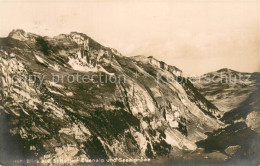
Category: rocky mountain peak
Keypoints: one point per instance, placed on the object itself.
(131, 114)
(20, 34)
(226, 70)
(159, 64)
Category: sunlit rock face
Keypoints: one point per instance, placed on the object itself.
(143, 114)
(159, 64)
(253, 120)
(231, 150)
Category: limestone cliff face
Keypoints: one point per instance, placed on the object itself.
(160, 64)
(140, 115)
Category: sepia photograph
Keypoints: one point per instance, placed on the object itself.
(130, 82)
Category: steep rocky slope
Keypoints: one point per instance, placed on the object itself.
(240, 139)
(237, 97)
(145, 110)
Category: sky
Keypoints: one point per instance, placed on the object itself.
(197, 36)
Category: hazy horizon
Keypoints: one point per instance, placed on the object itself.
(196, 36)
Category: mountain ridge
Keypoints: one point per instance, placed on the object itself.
(151, 113)
(226, 88)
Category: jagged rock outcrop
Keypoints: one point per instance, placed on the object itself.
(160, 64)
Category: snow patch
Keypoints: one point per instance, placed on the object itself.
(56, 67)
(54, 84)
(39, 59)
(76, 65)
(69, 94)
(54, 92)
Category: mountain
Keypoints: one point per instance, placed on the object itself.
(226, 88)
(236, 95)
(68, 98)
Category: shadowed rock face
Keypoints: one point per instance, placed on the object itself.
(240, 138)
(143, 114)
(237, 97)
